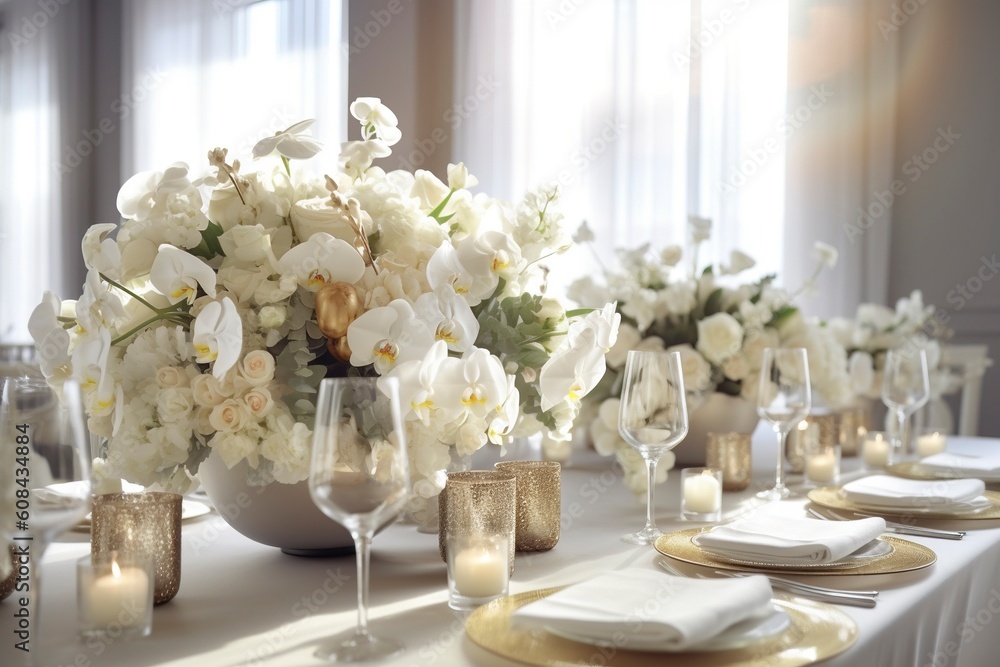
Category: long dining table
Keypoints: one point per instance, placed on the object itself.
(242, 603)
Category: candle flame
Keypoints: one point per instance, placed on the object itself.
(115, 570)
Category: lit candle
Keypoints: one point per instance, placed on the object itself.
(480, 573)
(702, 493)
(120, 597)
(821, 467)
(876, 450)
(931, 443)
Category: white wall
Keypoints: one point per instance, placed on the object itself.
(949, 217)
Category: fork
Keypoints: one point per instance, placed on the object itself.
(892, 526)
(836, 596)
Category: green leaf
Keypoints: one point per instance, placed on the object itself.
(209, 246)
(713, 304)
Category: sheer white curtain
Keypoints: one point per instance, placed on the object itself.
(37, 82)
(644, 111)
(772, 118)
(227, 73)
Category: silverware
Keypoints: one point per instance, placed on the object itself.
(832, 595)
(891, 526)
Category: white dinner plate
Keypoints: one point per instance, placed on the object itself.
(874, 550)
(741, 635)
(190, 509)
(974, 506)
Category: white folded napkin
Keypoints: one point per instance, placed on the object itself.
(763, 538)
(894, 492)
(963, 463)
(648, 607)
(70, 493)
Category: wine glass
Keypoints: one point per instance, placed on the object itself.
(905, 388)
(783, 398)
(43, 441)
(652, 418)
(359, 477)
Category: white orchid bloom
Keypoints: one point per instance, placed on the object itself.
(144, 192)
(357, 156)
(377, 120)
(322, 259)
(738, 263)
(176, 274)
(459, 177)
(507, 416)
(445, 268)
(573, 372)
(51, 339)
(475, 385)
(218, 336)
(98, 307)
(290, 143)
(100, 252)
(429, 191)
(493, 254)
(97, 385)
(450, 317)
(603, 323)
(388, 336)
(701, 228)
(416, 383)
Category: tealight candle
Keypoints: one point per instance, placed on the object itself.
(115, 598)
(479, 572)
(822, 468)
(931, 443)
(876, 450)
(702, 493)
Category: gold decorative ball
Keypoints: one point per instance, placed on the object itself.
(339, 349)
(337, 305)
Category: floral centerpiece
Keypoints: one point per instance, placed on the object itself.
(720, 327)
(209, 318)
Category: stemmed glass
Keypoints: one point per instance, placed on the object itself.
(359, 477)
(905, 388)
(43, 440)
(652, 418)
(783, 398)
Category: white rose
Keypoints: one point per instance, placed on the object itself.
(272, 317)
(640, 306)
(677, 299)
(697, 372)
(671, 255)
(551, 309)
(170, 376)
(736, 367)
(606, 440)
(203, 422)
(174, 404)
(608, 413)
(825, 253)
(720, 336)
(234, 447)
(628, 338)
(310, 216)
(228, 416)
(259, 402)
(207, 390)
(650, 344)
(258, 367)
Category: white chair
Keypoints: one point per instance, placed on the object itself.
(969, 363)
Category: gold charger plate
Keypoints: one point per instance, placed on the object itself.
(818, 631)
(914, 470)
(830, 496)
(905, 556)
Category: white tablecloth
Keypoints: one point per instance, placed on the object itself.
(241, 603)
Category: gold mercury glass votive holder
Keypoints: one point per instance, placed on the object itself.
(730, 453)
(478, 502)
(852, 425)
(539, 494)
(141, 525)
(821, 428)
(7, 585)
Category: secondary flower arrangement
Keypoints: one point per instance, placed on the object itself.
(876, 329)
(719, 326)
(208, 321)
